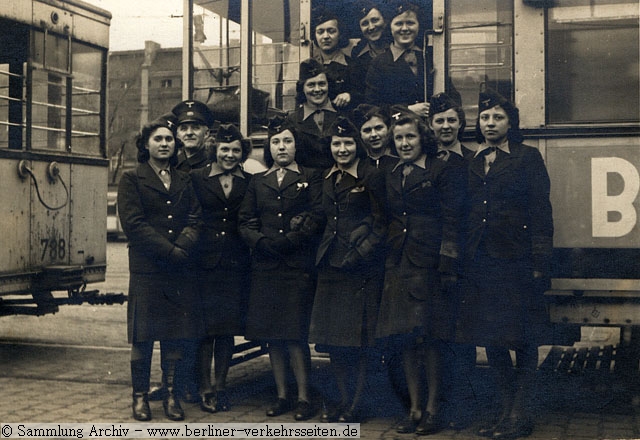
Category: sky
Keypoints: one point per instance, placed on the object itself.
(135, 21)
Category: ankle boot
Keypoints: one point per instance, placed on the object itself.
(171, 404)
(140, 382)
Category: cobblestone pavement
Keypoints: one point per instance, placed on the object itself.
(45, 383)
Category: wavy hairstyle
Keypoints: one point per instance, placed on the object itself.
(427, 139)
(276, 126)
(322, 15)
(142, 140)
(514, 134)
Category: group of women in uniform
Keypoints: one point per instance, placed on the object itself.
(372, 225)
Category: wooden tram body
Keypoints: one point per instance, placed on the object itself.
(571, 67)
(52, 153)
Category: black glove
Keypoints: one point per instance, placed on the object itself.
(283, 245)
(296, 222)
(448, 280)
(178, 255)
(265, 246)
(358, 235)
(350, 260)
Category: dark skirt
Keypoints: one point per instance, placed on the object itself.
(345, 309)
(413, 303)
(162, 306)
(225, 296)
(280, 304)
(500, 306)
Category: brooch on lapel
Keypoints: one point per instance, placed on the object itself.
(427, 183)
(301, 186)
(358, 189)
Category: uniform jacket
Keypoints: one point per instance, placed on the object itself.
(267, 211)
(510, 210)
(194, 162)
(353, 203)
(313, 150)
(220, 244)
(156, 219)
(392, 82)
(427, 215)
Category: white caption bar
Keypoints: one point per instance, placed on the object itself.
(179, 430)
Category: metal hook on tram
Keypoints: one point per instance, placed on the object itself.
(53, 173)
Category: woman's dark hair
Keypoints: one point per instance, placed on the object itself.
(344, 127)
(365, 112)
(461, 116)
(362, 9)
(402, 6)
(212, 147)
(322, 15)
(427, 139)
(514, 134)
(268, 158)
(301, 98)
(142, 140)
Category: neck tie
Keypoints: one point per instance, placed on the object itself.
(280, 175)
(406, 170)
(412, 61)
(166, 178)
(339, 176)
(489, 155)
(443, 154)
(318, 117)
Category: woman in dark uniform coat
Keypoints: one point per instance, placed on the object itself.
(344, 319)
(161, 217)
(224, 269)
(313, 116)
(397, 76)
(425, 199)
(279, 219)
(509, 244)
(375, 35)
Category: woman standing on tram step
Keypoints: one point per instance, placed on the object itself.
(425, 204)
(343, 321)
(224, 270)
(331, 41)
(374, 123)
(397, 76)
(161, 216)
(375, 35)
(313, 116)
(280, 218)
(509, 246)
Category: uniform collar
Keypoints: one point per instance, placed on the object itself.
(338, 56)
(455, 148)
(293, 166)
(504, 146)
(397, 52)
(352, 170)
(216, 171)
(308, 109)
(420, 162)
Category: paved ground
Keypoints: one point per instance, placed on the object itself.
(44, 383)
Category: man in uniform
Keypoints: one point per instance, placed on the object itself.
(194, 121)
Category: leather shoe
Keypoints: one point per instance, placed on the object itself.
(280, 407)
(304, 411)
(223, 401)
(348, 416)
(331, 414)
(407, 425)
(512, 428)
(430, 424)
(157, 393)
(488, 429)
(209, 402)
(172, 408)
(140, 407)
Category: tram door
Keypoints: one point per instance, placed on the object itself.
(248, 49)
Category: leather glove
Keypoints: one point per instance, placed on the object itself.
(296, 222)
(358, 235)
(283, 245)
(265, 246)
(178, 255)
(448, 280)
(253, 224)
(350, 260)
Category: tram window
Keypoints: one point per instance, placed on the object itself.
(13, 57)
(86, 99)
(51, 50)
(48, 110)
(480, 35)
(593, 62)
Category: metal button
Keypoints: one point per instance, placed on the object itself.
(168, 202)
(169, 216)
(170, 231)
(223, 233)
(279, 214)
(281, 231)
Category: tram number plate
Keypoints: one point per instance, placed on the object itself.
(54, 249)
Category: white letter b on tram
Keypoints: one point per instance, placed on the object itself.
(624, 215)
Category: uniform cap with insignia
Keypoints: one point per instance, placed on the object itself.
(342, 127)
(310, 68)
(278, 124)
(228, 133)
(168, 120)
(193, 111)
(321, 15)
(441, 103)
(489, 98)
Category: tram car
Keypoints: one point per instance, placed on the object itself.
(53, 62)
(572, 69)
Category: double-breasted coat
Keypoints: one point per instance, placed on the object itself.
(187, 164)
(224, 259)
(345, 309)
(426, 218)
(312, 149)
(162, 302)
(510, 235)
(282, 286)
